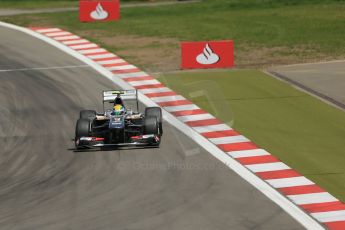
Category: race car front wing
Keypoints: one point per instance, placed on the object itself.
(94, 142)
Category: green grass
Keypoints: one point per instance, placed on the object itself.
(41, 4)
(302, 131)
(316, 26)
(36, 4)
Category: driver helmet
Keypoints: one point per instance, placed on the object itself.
(119, 109)
(118, 100)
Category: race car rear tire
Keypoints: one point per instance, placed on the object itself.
(87, 114)
(151, 125)
(155, 112)
(82, 128)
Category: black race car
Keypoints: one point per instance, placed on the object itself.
(119, 125)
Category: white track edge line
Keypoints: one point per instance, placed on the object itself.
(292, 209)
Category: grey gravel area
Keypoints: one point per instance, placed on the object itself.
(325, 80)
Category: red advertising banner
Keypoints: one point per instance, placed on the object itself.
(103, 10)
(212, 54)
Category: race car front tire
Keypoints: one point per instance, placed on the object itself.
(155, 112)
(87, 114)
(151, 125)
(82, 128)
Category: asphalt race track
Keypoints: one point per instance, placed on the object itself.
(44, 184)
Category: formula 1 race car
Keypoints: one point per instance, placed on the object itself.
(119, 125)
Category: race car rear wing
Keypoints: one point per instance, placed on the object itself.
(110, 96)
